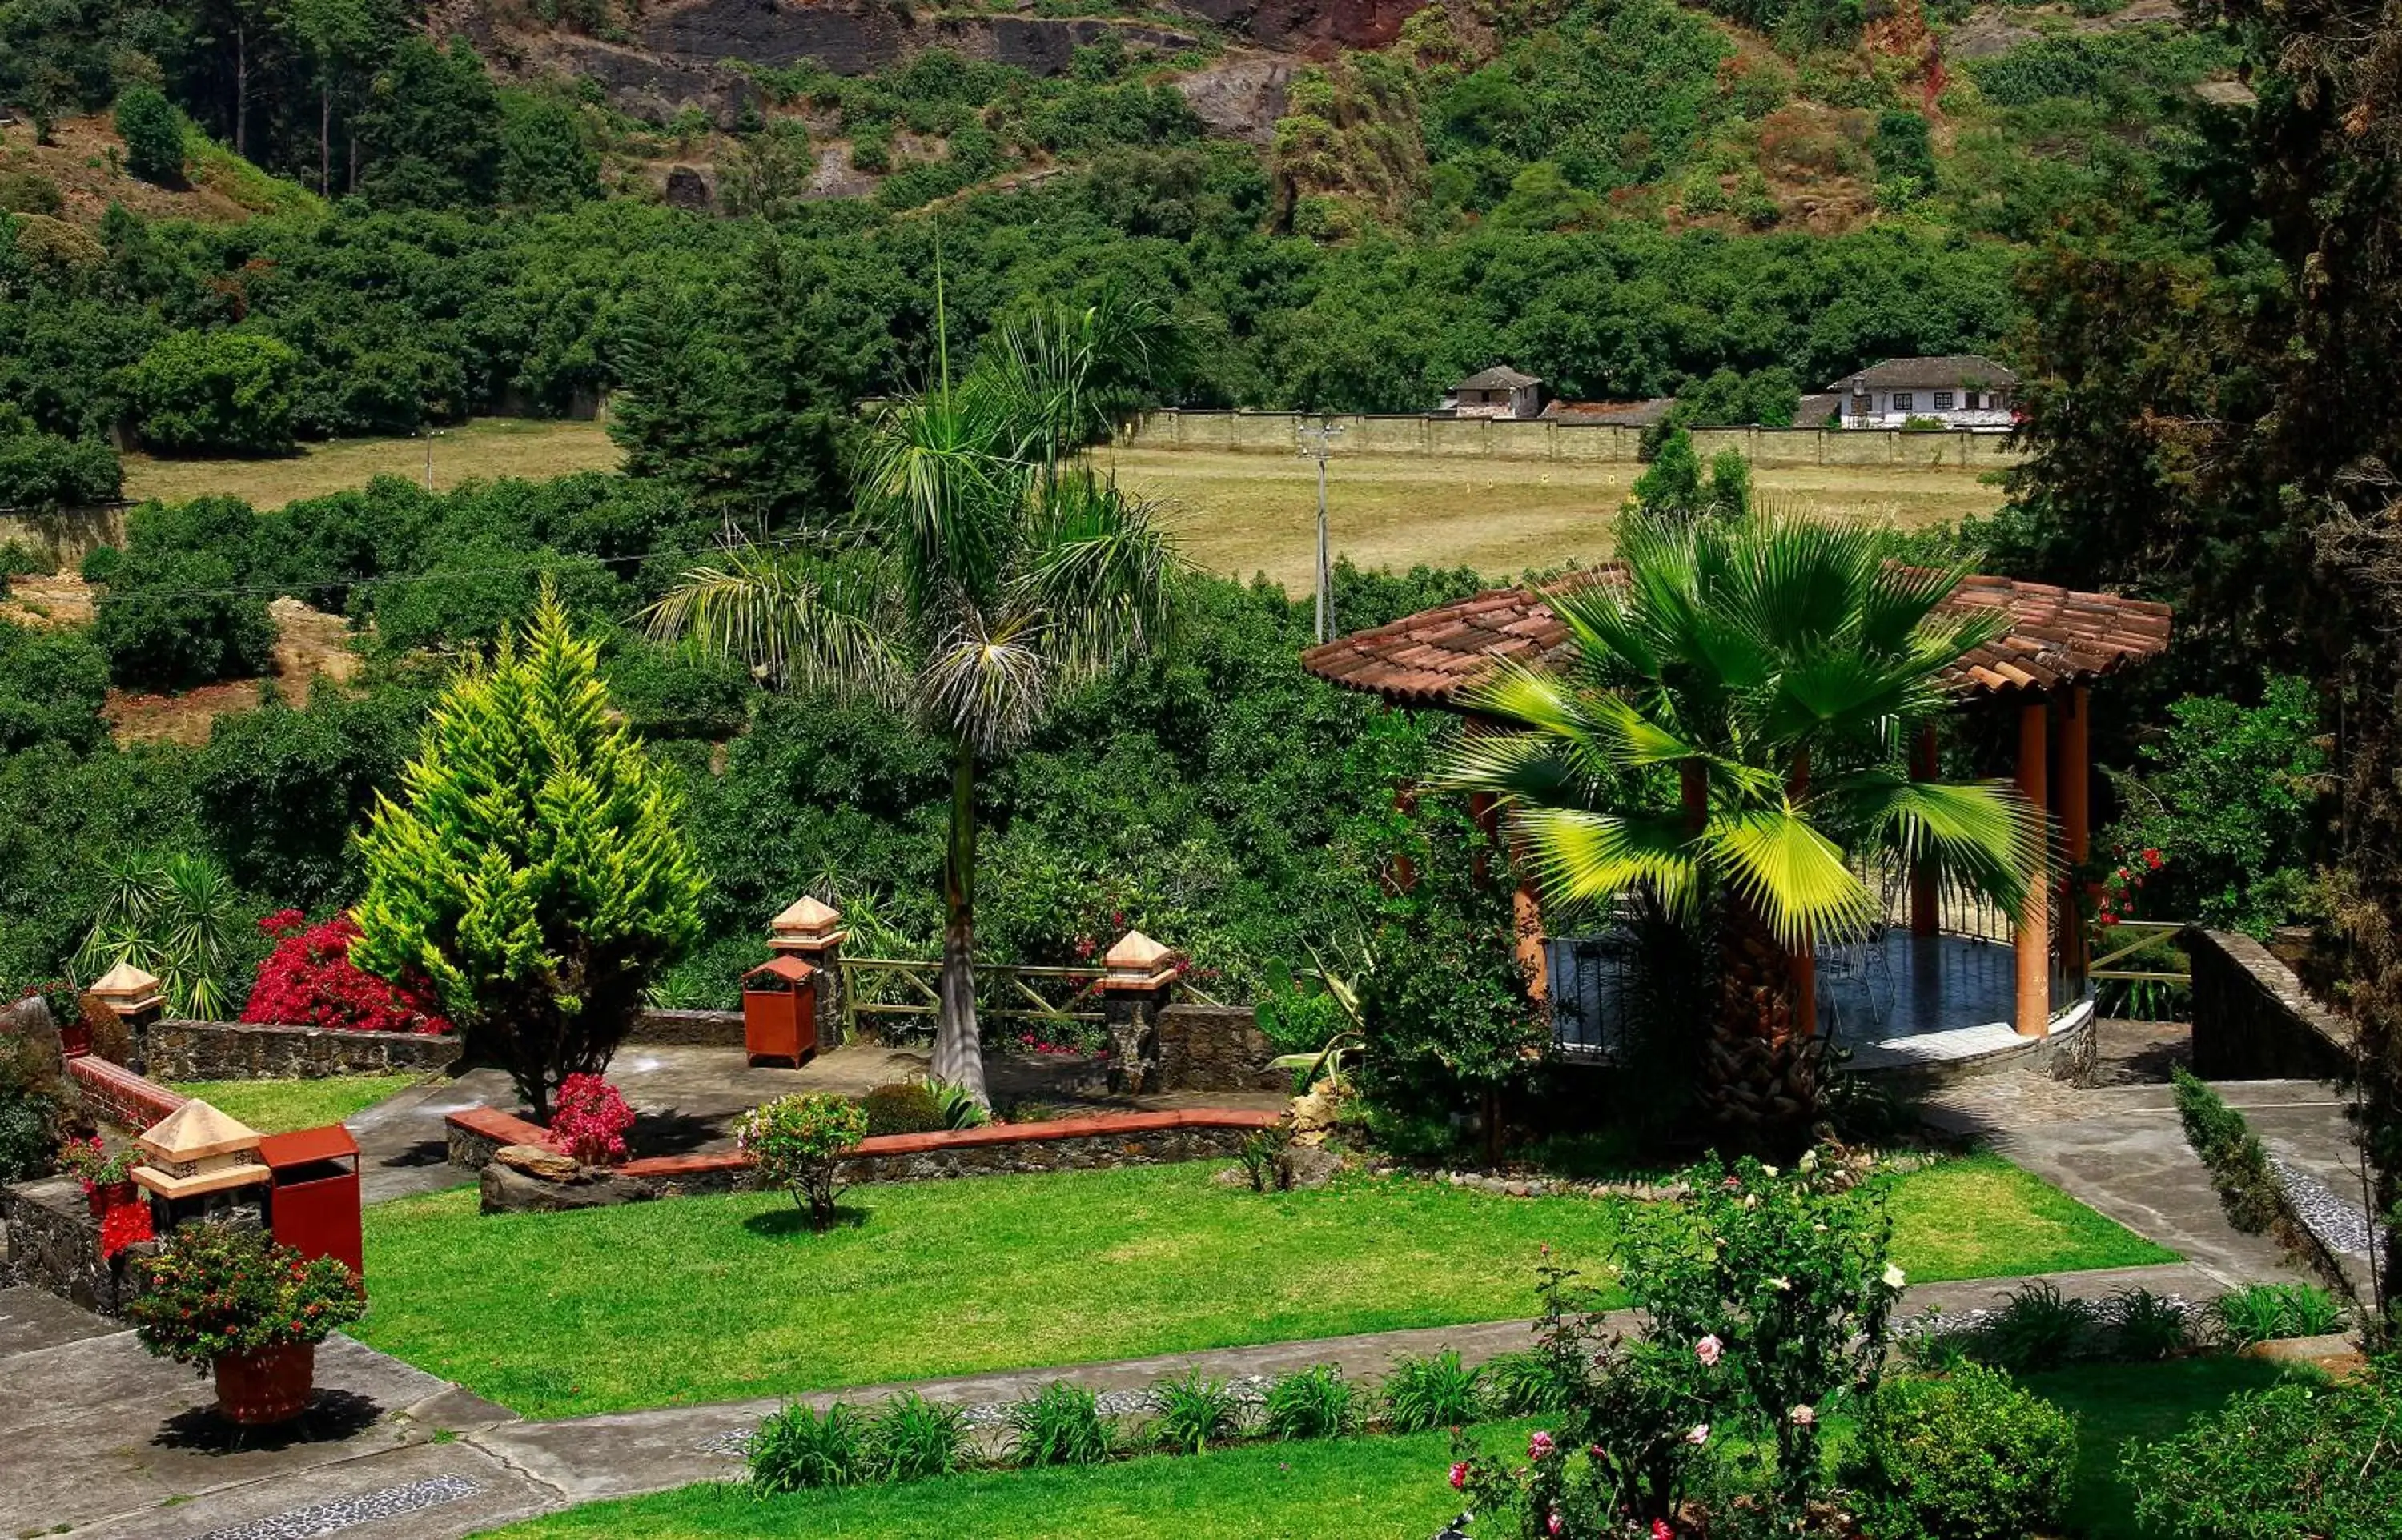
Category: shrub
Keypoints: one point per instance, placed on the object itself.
(798, 1448)
(30, 192)
(2038, 1328)
(1195, 1412)
(1061, 1425)
(42, 471)
(216, 394)
(909, 1437)
(957, 1104)
(591, 1119)
(1525, 1384)
(539, 872)
(176, 619)
(213, 1289)
(2261, 1313)
(153, 131)
(904, 1107)
(1260, 1155)
(1311, 1403)
(2145, 1325)
(1970, 1456)
(309, 980)
(799, 1142)
(1433, 1391)
(2238, 1162)
(24, 1135)
(2299, 1458)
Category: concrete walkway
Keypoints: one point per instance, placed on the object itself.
(98, 1436)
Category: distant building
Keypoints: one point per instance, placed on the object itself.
(1819, 410)
(1496, 391)
(1623, 414)
(1957, 389)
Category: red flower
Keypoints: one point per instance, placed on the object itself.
(2152, 858)
(310, 981)
(2107, 918)
(123, 1225)
(591, 1121)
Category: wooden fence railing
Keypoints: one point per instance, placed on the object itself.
(908, 986)
(2140, 952)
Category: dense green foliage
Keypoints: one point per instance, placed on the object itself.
(153, 131)
(1969, 1456)
(2295, 1458)
(214, 393)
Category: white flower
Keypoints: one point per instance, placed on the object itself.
(1768, 1171)
(1894, 1276)
(1782, 1285)
(1803, 1416)
(1809, 1161)
(1699, 1435)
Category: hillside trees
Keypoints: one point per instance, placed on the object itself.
(216, 392)
(153, 131)
(431, 129)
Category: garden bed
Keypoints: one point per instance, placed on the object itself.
(732, 1296)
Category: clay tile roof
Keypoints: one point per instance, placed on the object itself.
(1972, 370)
(2057, 637)
(1499, 378)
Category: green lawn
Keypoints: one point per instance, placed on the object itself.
(1363, 1489)
(279, 1106)
(728, 1299)
(1360, 1489)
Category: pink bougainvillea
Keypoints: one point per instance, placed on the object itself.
(309, 980)
(591, 1119)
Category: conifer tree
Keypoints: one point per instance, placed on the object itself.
(534, 870)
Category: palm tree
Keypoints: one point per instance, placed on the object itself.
(1731, 732)
(993, 572)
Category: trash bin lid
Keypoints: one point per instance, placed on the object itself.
(332, 1142)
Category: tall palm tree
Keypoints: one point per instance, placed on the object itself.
(992, 572)
(1733, 730)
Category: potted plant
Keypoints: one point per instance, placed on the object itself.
(108, 1176)
(251, 1311)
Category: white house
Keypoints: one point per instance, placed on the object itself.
(1957, 390)
(1497, 391)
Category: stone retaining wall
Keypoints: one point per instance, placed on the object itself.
(54, 1244)
(241, 1051)
(2253, 1020)
(1215, 1048)
(1070, 1144)
(700, 1028)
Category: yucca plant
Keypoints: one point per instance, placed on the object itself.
(1732, 731)
(179, 917)
(989, 573)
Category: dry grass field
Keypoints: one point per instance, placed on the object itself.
(1241, 512)
(487, 448)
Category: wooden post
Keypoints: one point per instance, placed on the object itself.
(1925, 903)
(2072, 804)
(2034, 940)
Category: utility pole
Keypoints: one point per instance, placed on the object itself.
(1317, 444)
(430, 436)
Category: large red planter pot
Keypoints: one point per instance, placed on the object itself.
(102, 1199)
(271, 1385)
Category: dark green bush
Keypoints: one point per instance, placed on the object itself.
(904, 1107)
(216, 394)
(2301, 1458)
(1970, 1456)
(42, 471)
(181, 619)
(153, 131)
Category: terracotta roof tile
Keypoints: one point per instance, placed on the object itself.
(2057, 637)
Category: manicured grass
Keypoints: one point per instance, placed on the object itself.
(1982, 1218)
(279, 1106)
(719, 1298)
(1360, 1489)
(2119, 1403)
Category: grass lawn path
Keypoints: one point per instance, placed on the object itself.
(725, 1299)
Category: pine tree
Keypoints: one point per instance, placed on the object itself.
(535, 870)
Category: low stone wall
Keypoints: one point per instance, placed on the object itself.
(698, 1028)
(1215, 1048)
(54, 1244)
(1070, 1144)
(2253, 1020)
(241, 1051)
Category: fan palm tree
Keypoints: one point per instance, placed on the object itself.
(1731, 732)
(993, 572)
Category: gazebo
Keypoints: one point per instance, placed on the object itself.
(1936, 986)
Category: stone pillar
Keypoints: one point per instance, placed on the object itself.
(1925, 898)
(136, 1001)
(814, 933)
(2033, 939)
(1136, 976)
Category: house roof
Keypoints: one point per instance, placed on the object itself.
(1624, 414)
(2057, 637)
(1817, 411)
(1499, 378)
(1928, 374)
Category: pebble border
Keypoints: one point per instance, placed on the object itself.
(349, 1512)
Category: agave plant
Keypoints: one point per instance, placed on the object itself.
(177, 917)
(1732, 731)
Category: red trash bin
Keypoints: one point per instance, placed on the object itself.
(779, 1011)
(312, 1193)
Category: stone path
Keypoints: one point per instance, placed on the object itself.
(97, 1436)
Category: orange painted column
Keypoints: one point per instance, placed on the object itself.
(2034, 940)
(2072, 804)
(1926, 910)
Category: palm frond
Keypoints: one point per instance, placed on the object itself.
(988, 684)
(1581, 856)
(1534, 767)
(1985, 838)
(792, 616)
(1099, 570)
(1791, 874)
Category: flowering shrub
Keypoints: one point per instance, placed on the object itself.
(2118, 889)
(591, 1120)
(797, 1142)
(309, 980)
(123, 1225)
(92, 1163)
(213, 1290)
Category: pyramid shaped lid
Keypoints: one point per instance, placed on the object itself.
(806, 916)
(125, 982)
(1136, 952)
(196, 1130)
